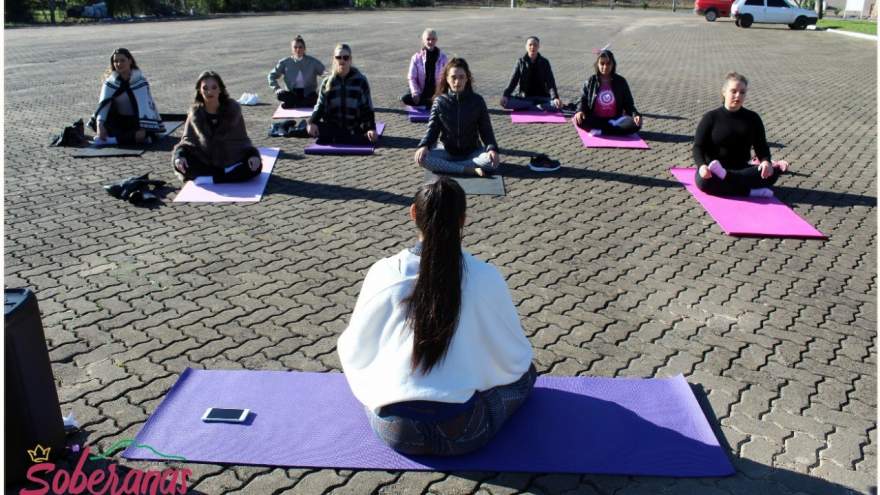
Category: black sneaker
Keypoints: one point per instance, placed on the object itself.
(543, 163)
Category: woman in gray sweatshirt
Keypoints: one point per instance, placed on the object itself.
(301, 73)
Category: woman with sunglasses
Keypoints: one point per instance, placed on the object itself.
(460, 120)
(434, 349)
(723, 147)
(301, 73)
(425, 68)
(344, 111)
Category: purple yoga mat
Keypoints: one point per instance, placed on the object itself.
(756, 217)
(534, 117)
(292, 113)
(238, 192)
(567, 425)
(343, 149)
(418, 114)
(631, 141)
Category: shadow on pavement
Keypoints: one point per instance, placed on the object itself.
(282, 185)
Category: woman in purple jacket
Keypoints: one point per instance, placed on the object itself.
(425, 68)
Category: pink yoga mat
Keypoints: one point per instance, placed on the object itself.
(533, 117)
(239, 192)
(343, 149)
(754, 217)
(292, 113)
(632, 141)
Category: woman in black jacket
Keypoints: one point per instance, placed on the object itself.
(460, 120)
(606, 105)
(537, 87)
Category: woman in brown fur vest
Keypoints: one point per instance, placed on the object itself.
(215, 146)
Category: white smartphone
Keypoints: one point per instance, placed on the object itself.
(219, 415)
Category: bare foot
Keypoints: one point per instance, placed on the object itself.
(782, 165)
(479, 172)
(704, 172)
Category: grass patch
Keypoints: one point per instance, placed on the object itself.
(866, 27)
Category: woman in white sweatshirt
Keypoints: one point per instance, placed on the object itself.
(434, 349)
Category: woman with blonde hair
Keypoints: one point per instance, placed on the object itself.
(425, 69)
(723, 147)
(344, 112)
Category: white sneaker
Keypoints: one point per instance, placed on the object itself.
(204, 180)
(595, 132)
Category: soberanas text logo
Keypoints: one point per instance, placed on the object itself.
(104, 481)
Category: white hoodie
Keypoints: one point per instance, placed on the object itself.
(488, 348)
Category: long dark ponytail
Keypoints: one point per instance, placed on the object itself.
(434, 305)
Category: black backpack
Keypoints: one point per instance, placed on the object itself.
(72, 135)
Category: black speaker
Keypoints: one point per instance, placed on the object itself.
(32, 414)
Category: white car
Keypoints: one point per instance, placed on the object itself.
(771, 12)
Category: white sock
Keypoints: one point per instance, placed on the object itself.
(761, 192)
(595, 132)
(204, 180)
(717, 170)
(616, 122)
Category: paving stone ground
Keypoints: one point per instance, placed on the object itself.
(615, 269)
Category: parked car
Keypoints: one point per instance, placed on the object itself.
(712, 9)
(771, 12)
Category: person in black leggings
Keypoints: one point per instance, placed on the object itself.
(723, 144)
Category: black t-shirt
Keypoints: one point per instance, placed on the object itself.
(729, 138)
(213, 120)
(430, 68)
(533, 85)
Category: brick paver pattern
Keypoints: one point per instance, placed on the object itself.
(615, 269)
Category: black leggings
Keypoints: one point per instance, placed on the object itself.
(601, 123)
(425, 99)
(296, 98)
(333, 134)
(737, 182)
(122, 127)
(236, 172)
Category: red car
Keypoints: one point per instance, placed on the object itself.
(712, 9)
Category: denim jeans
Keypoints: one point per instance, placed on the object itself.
(465, 432)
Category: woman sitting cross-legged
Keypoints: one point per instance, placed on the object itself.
(215, 146)
(434, 349)
(425, 68)
(126, 111)
(537, 87)
(344, 112)
(723, 144)
(606, 105)
(460, 120)
(300, 73)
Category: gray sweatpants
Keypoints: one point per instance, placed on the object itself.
(439, 160)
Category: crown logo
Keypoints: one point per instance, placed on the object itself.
(39, 454)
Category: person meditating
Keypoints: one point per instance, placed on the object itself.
(425, 69)
(300, 73)
(723, 144)
(460, 120)
(537, 87)
(606, 105)
(215, 146)
(126, 112)
(434, 349)
(344, 112)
